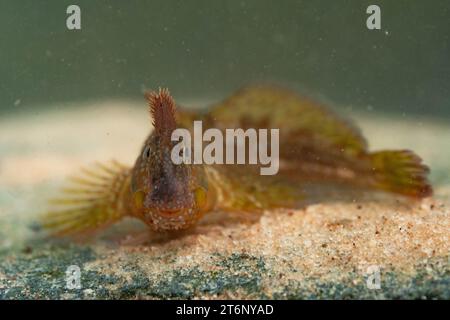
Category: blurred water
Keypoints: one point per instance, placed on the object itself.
(206, 49)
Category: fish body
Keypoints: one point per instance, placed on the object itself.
(315, 145)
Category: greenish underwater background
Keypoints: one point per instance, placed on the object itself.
(205, 49)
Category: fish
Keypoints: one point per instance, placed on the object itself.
(315, 144)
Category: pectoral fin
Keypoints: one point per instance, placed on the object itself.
(92, 200)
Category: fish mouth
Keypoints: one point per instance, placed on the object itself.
(170, 212)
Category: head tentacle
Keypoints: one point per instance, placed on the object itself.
(162, 110)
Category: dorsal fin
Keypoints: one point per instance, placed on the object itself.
(162, 110)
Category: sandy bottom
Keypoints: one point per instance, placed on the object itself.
(280, 254)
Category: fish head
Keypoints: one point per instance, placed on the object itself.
(169, 195)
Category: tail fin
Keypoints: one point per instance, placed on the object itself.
(401, 172)
(91, 201)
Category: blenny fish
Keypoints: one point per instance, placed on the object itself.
(315, 145)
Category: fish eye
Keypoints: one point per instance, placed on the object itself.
(146, 153)
(186, 153)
